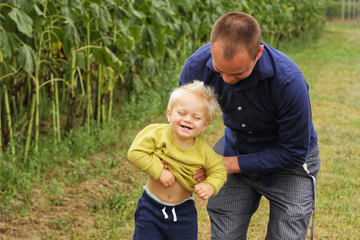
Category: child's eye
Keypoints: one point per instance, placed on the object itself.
(181, 113)
(197, 118)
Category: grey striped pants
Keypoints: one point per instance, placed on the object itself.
(291, 196)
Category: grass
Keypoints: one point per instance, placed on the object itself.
(93, 194)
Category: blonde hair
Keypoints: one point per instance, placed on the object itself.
(197, 88)
(236, 31)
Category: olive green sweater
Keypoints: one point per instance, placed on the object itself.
(156, 141)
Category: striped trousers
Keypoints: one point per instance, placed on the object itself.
(291, 197)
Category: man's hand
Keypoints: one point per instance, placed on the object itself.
(200, 175)
(204, 190)
(165, 163)
(166, 178)
(231, 164)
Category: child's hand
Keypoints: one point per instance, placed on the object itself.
(166, 178)
(204, 190)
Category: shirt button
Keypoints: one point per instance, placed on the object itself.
(243, 125)
(239, 108)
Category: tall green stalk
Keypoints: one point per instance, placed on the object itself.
(99, 91)
(110, 104)
(71, 108)
(1, 146)
(57, 108)
(89, 110)
(8, 117)
(53, 106)
(103, 109)
(53, 97)
(31, 120)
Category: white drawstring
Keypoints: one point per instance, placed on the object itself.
(173, 212)
(164, 212)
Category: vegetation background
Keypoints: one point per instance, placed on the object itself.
(80, 78)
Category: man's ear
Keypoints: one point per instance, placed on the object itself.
(168, 114)
(261, 48)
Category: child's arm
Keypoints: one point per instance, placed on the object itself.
(166, 178)
(216, 173)
(141, 153)
(204, 190)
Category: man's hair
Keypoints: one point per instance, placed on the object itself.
(200, 89)
(236, 31)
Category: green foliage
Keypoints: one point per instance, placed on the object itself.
(77, 52)
(290, 19)
(334, 8)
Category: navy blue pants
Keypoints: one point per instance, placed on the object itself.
(155, 221)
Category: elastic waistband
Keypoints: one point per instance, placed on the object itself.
(179, 206)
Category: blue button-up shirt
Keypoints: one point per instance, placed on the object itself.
(267, 116)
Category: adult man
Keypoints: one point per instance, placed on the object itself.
(270, 145)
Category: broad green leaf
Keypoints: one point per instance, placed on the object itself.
(172, 54)
(95, 10)
(66, 11)
(24, 5)
(23, 21)
(195, 21)
(6, 68)
(150, 67)
(109, 74)
(71, 32)
(9, 43)
(38, 11)
(137, 83)
(148, 35)
(101, 13)
(105, 18)
(124, 43)
(122, 12)
(106, 57)
(27, 58)
(186, 29)
(136, 13)
(160, 19)
(80, 59)
(96, 1)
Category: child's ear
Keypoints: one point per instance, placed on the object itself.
(205, 126)
(168, 114)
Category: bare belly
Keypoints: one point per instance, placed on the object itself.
(174, 194)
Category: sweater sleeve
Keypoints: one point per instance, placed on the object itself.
(141, 153)
(215, 170)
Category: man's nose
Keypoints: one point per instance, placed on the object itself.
(227, 77)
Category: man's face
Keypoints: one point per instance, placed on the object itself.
(236, 69)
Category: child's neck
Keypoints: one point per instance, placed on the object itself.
(185, 143)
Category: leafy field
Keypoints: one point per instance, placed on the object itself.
(96, 197)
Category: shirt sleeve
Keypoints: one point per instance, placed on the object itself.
(141, 153)
(215, 171)
(295, 124)
(188, 73)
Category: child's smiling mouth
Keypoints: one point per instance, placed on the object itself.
(183, 126)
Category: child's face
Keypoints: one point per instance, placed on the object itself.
(188, 117)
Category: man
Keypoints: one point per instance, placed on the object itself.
(270, 144)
